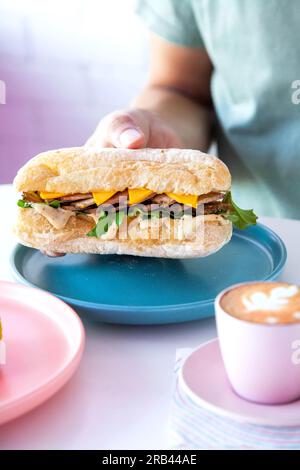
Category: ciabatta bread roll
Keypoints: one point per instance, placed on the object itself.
(149, 202)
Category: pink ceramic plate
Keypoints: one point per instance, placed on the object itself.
(44, 342)
(204, 379)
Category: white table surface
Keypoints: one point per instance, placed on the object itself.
(120, 396)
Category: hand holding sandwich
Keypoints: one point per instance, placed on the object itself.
(172, 111)
(136, 187)
(133, 129)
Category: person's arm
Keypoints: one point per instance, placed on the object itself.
(174, 108)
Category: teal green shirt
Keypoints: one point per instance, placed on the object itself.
(254, 46)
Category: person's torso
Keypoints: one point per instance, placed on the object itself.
(255, 49)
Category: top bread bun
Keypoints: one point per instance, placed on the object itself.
(87, 169)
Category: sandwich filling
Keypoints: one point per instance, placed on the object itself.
(110, 208)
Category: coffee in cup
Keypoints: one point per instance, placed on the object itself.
(259, 332)
(264, 302)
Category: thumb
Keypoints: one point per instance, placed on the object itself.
(131, 138)
(125, 132)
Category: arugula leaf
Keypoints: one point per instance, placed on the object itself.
(120, 217)
(155, 213)
(98, 226)
(104, 222)
(54, 204)
(240, 218)
(92, 233)
(134, 211)
(103, 226)
(24, 204)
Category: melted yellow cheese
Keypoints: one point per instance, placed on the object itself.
(188, 199)
(101, 196)
(138, 195)
(45, 195)
(135, 196)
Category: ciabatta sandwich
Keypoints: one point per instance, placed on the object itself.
(170, 203)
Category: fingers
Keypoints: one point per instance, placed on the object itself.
(125, 128)
(129, 138)
(52, 254)
(134, 129)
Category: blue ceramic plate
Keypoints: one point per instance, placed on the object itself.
(137, 290)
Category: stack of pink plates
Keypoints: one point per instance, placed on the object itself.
(44, 341)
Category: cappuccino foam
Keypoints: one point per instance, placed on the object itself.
(264, 302)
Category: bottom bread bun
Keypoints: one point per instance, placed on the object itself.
(35, 231)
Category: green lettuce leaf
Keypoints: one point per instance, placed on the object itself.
(104, 222)
(240, 218)
(24, 204)
(120, 217)
(54, 204)
(134, 211)
(155, 213)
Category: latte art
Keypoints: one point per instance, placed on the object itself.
(264, 302)
(275, 300)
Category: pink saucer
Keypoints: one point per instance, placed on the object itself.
(44, 343)
(203, 378)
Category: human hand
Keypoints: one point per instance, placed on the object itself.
(133, 129)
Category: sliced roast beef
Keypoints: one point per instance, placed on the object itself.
(210, 197)
(69, 207)
(115, 198)
(83, 204)
(162, 199)
(215, 208)
(32, 197)
(75, 197)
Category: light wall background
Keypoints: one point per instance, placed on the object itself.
(65, 63)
